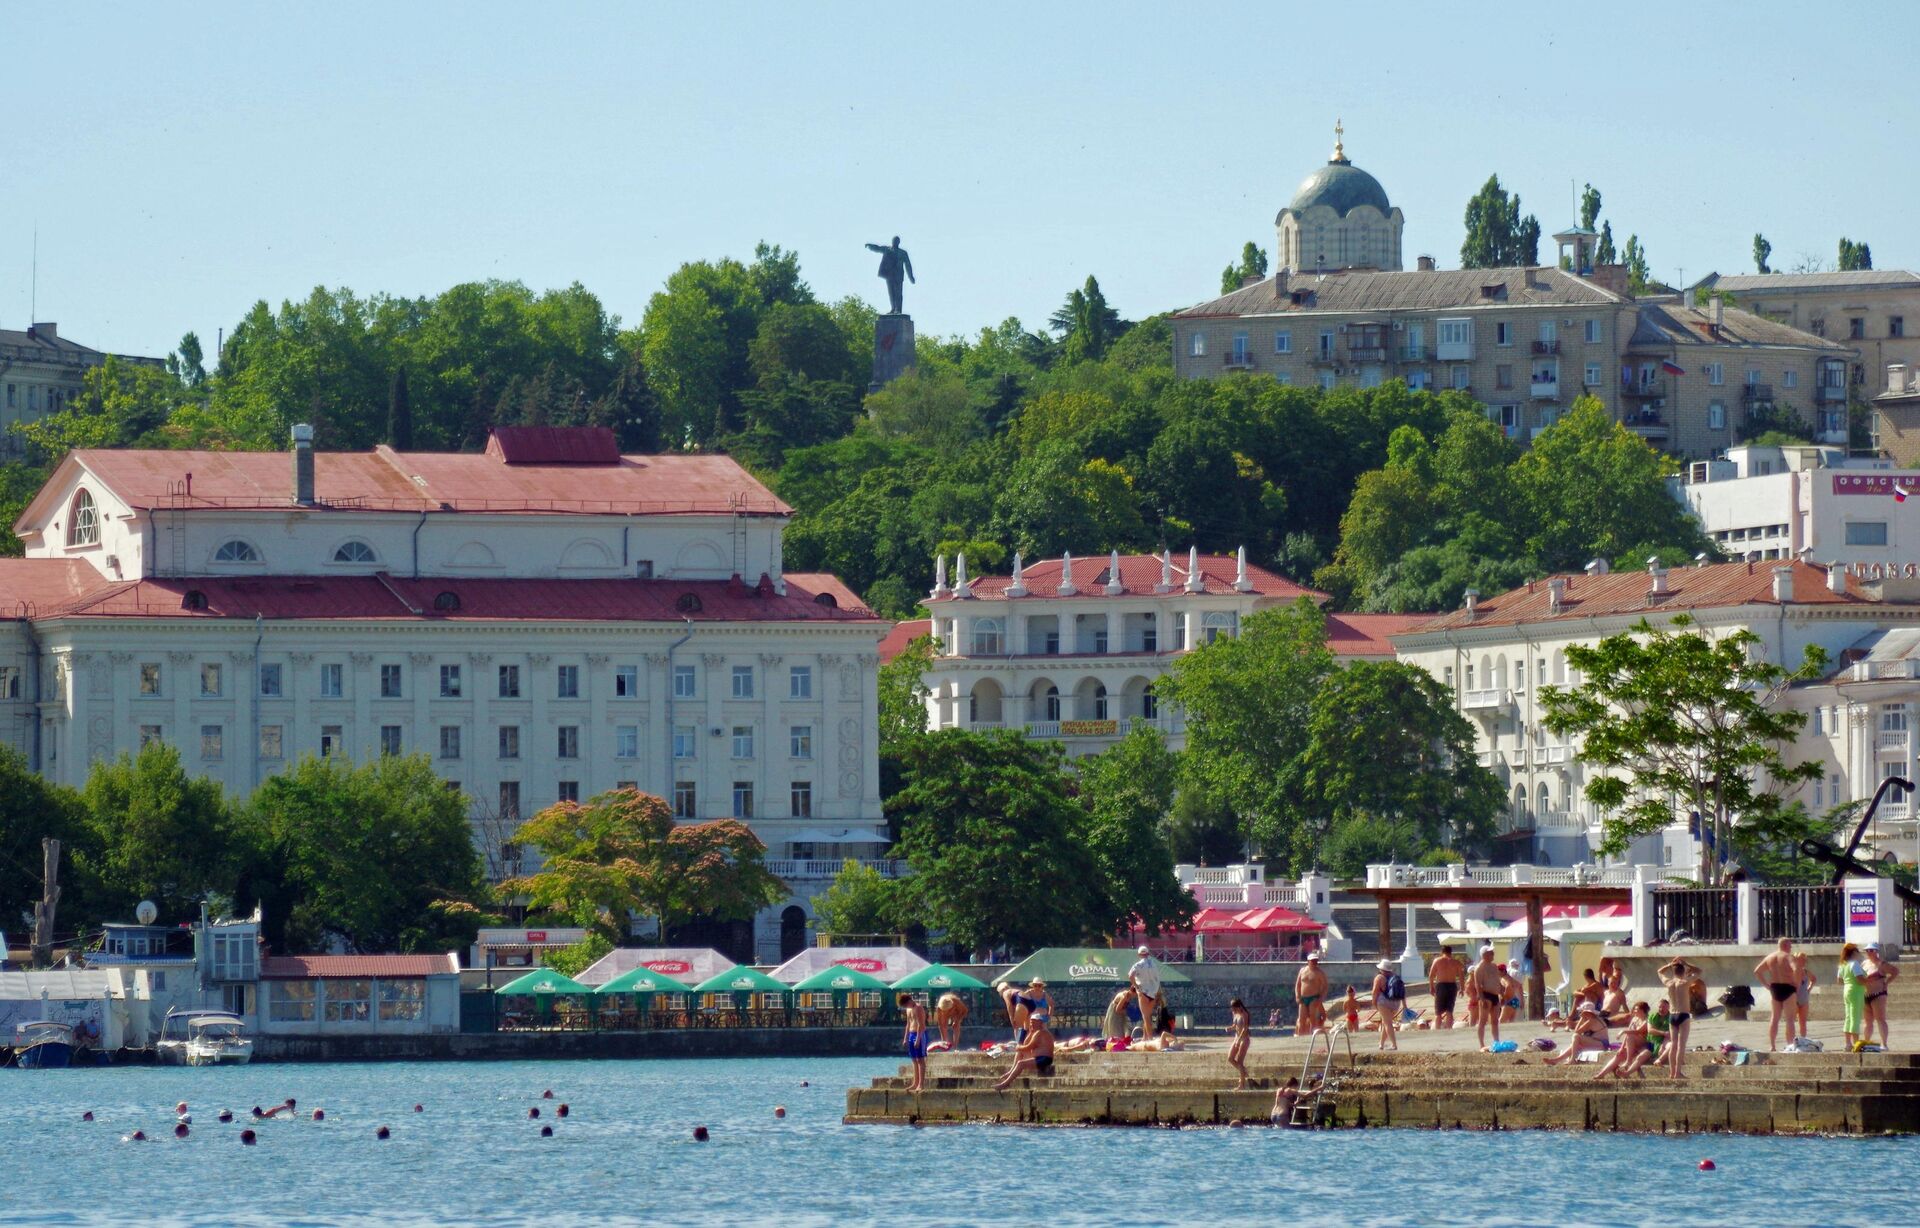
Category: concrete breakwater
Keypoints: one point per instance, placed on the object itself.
(1794, 1093)
(662, 1042)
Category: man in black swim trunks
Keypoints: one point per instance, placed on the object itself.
(1486, 981)
(1778, 974)
(1034, 1054)
(1443, 979)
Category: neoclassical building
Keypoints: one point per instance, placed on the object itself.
(40, 371)
(546, 621)
(1339, 218)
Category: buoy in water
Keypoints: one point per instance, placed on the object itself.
(1707, 1166)
(247, 1138)
(699, 1134)
(779, 1110)
(383, 1132)
(546, 1131)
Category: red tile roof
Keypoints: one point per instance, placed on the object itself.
(1139, 575)
(1626, 593)
(384, 597)
(903, 634)
(1365, 635)
(305, 967)
(429, 481)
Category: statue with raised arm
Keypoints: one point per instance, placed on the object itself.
(894, 265)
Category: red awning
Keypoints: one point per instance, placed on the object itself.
(1247, 921)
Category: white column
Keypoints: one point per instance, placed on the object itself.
(1116, 631)
(657, 757)
(715, 789)
(771, 800)
(1190, 618)
(868, 717)
(826, 739)
(362, 735)
(537, 740)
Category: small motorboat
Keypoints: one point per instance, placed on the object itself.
(203, 1038)
(43, 1045)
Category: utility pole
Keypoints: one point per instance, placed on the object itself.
(49, 900)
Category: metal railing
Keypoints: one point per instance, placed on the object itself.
(790, 867)
(1546, 347)
(1805, 914)
(1910, 927)
(1704, 914)
(1499, 876)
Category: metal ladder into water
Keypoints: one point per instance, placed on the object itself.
(1306, 1114)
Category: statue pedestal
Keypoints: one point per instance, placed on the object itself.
(892, 349)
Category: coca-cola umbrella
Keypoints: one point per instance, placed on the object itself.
(1276, 920)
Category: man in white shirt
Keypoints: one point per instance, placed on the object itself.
(1145, 978)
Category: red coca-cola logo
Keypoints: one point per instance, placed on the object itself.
(667, 967)
(862, 964)
(536, 935)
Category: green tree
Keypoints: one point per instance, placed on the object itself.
(621, 854)
(1128, 791)
(1248, 701)
(1762, 251)
(995, 842)
(1362, 840)
(1252, 263)
(1682, 721)
(31, 809)
(1638, 275)
(361, 854)
(185, 363)
(931, 408)
(903, 694)
(1497, 234)
(1088, 324)
(1854, 256)
(1603, 251)
(157, 834)
(399, 413)
(860, 901)
(1589, 206)
(1055, 501)
(577, 958)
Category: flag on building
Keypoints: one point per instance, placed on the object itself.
(1671, 367)
(1899, 493)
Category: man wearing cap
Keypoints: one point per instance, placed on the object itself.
(1144, 976)
(1487, 979)
(1443, 978)
(1310, 990)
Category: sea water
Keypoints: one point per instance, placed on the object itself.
(626, 1154)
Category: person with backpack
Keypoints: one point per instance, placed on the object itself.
(1389, 999)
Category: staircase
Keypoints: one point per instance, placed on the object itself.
(1358, 917)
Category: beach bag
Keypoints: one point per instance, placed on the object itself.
(1544, 1043)
(1505, 1046)
(1396, 989)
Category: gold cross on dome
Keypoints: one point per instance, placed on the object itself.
(1339, 149)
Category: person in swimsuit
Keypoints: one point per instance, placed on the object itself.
(1443, 978)
(1678, 978)
(1386, 1009)
(1488, 982)
(1777, 974)
(1352, 1008)
(915, 1039)
(1591, 990)
(1310, 989)
(1039, 1003)
(1632, 1053)
(1589, 1033)
(1240, 1028)
(1803, 981)
(1035, 1054)
(1613, 1004)
(1510, 992)
(1284, 1098)
(948, 1014)
(1144, 976)
(1016, 1010)
(1880, 973)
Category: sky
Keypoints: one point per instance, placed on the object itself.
(180, 163)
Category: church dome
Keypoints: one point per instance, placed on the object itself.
(1342, 187)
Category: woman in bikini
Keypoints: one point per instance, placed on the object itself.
(1803, 997)
(1241, 1029)
(1880, 973)
(1589, 1036)
(1632, 1053)
(1678, 978)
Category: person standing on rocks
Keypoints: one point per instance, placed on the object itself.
(1443, 978)
(948, 1014)
(1387, 1003)
(1803, 981)
(1240, 1028)
(1678, 978)
(915, 1038)
(1310, 991)
(1776, 972)
(1487, 981)
(1144, 976)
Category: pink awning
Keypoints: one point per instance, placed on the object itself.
(1247, 921)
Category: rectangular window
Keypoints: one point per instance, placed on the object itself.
(626, 682)
(390, 740)
(332, 681)
(291, 1001)
(1462, 377)
(348, 1001)
(1283, 341)
(800, 741)
(1197, 345)
(509, 682)
(1790, 378)
(1283, 378)
(1326, 381)
(627, 784)
(1593, 332)
(1753, 376)
(1716, 373)
(449, 682)
(1240, 344)
(150, 677)
(1866, 533)
(683, 741)
(390, 681)
(270, 741)
(743, 682)
(150, 734)
(1326, 343)
(626, 742)
(1819, 720)
(684, 680)
(743, 799)
(686, 800)
(509, 800)
(1593, 375)
(1716, 417)
(567, 791)
(331, 741)
(1455, 339)
(209, 679)
(567, 744)
(270, 681)
(1896, 326)
(509, 741)
(1503, 333)
(1549, 333)
(800, 799)
(743, 741)
(210, 743)
(800, 682)
(566, 682)
(1856, 328)
(449, 741)
(1503, 375)
(402, 1000)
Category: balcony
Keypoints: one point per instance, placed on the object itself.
(1827, 394)
(1414, 353)
(1546, 347)
(1325, 358)
(1646, 388)
(1241, 360)
(1492, 758)
(1547, 819)
(1367, 353)
(791, 868)
(1756, 394)
(1891, 739)
(1485, 700)
(1544, 389)
(1648, 424)
(1556, 755)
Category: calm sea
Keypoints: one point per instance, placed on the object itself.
(626, 1155)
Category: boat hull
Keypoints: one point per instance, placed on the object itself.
(47, 1055)
(225, 1056)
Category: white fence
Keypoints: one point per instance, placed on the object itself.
(790, 868)
(1499, 876)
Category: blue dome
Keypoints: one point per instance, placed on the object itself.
(1342, 187)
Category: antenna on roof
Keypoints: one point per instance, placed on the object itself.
(33, 292)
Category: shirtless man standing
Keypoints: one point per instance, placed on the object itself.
(914, 1038)
(1486, 982)
(1782, 980)
(1678, 979)
(1443, 978)
(1310, 989)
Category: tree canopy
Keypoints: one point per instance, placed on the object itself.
(1497, 234)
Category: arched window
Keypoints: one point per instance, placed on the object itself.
(826, 599)
(354, 552)
(1520, 801)
(689, 603)
(446, 601)
(986, 637)
(194, 599)
(1051, 702)
(236, 551)
(83, 521)
(1215, 625)
(1149, 704)
(1544, 800)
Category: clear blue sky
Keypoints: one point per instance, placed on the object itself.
(182, 162)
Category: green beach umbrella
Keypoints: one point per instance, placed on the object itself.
(543, 983)
(938, 978)
(841, 980)
(642, 981)
(741, 981)
(1084, 966)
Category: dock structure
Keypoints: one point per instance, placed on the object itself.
(1785, 1093)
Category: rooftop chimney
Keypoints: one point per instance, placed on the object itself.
(48, 331)
(1195, 583)
(1473, 600)
(1836, 578)
(1717, 311)
(1783, 584)
(1066, 588)
(1556, 594)
(1896, 378)
(1423, 264)
(1598, 567)
(1280, 284)
(1656, 577)
(303, 465)
(1019, 586)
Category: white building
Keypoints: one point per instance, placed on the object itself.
(1814, 503)
(547, 620)
(40, 371)
(1498, 652)
(1070, 649)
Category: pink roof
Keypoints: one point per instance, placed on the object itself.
(386, 480)
(1140, 574)
(903, 633)
(31, 587)
(1626, 593)
(334, 967)
(553, 445)
(1365, 635)
(388, 597)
